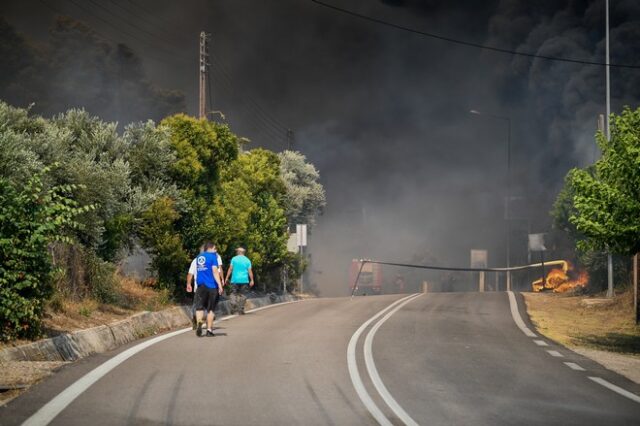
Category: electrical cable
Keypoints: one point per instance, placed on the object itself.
(466, 43)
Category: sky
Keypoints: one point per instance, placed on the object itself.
(384, 113)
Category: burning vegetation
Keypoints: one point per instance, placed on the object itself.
(562, 280)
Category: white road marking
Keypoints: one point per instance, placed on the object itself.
(555, 354)
(50, 410)
(516, 316)
(352, 365)
(373, 372)
(574, 366)
(616, 389)
(541, 343)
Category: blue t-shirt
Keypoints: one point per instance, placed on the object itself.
(240, 272)
(204, 264)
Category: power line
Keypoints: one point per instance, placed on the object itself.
(107, 37)
(467, 43)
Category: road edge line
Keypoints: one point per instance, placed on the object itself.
(352, 366)
(517, 318)
(617, 389)
(373, 371)
(58, 403)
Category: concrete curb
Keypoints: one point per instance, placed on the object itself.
(82, 343)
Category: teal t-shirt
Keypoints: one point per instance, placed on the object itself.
(240, 273)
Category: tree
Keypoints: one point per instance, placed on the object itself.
(31, 219)
(607, 199)
(304, 197)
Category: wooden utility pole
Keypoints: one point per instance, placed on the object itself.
(636, 290)
(290, 139)
(203, 70)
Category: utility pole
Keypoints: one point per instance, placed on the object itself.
(203, 70)
(608, 125)
(290, 139)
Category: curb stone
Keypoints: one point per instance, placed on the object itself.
(82, 343)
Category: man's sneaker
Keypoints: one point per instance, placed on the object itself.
(199, 329)
(210, 333)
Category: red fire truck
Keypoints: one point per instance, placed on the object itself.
(370, 281)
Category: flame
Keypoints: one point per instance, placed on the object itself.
(560, 281)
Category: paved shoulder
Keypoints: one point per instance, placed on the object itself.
(458, 358)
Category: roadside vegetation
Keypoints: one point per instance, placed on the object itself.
(573, 323)
(77, 195)
(599, 206)
(599, 211)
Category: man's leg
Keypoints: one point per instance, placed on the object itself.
(234, 298)
(210, 318)
(244, 289)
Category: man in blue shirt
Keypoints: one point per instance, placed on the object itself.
(241, 280)
(209, 287)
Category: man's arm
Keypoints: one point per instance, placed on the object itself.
(216, 276)
(251, 277)
(189, 279)
(221, 271)
(229, 271)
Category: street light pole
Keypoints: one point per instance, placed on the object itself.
(508, 198)
(608, 134)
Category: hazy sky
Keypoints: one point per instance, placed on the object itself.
(384, 114)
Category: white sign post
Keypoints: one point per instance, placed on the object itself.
(536, 243)
(479, 260)
(301, 239)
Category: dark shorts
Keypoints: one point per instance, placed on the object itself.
(207, 298)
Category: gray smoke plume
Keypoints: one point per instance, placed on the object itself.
(384, 114)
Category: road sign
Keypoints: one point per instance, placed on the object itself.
(301, 235)
(292, 243)
(479, 258)
(536, 242)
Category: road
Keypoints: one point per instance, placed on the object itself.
(439, 359)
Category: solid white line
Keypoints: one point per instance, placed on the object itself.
(541, 343)
(373, 372)
(616, 389)
(555, 354)
(353, 366)
(574, 366)
(50, 410)
(516, 316)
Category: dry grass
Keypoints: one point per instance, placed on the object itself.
(606, 327)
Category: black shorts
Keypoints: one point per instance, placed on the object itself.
(207, 298)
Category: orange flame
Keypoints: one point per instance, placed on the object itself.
(559, 281)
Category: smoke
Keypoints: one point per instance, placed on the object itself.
(383, 114)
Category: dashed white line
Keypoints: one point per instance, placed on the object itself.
(555, 354)
(574, 366)
(353, 366)
(373, 371)
(516, 316)
(51, 409)
(616, 389)
(540, 343)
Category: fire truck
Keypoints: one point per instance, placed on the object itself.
(370, 280)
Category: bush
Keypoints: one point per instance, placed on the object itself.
(31, 218)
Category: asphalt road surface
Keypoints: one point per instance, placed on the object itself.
(433, 359)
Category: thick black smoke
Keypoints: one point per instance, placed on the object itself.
(384, 114)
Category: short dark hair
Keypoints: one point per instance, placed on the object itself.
(209, 245)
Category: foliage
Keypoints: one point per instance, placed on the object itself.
(74, 66)
(31, 218)
(159, 236)
(607, 199)
(304, 197)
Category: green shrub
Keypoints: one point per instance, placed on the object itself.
(31, 218)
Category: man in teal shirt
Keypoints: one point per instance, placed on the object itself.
(241, 279)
